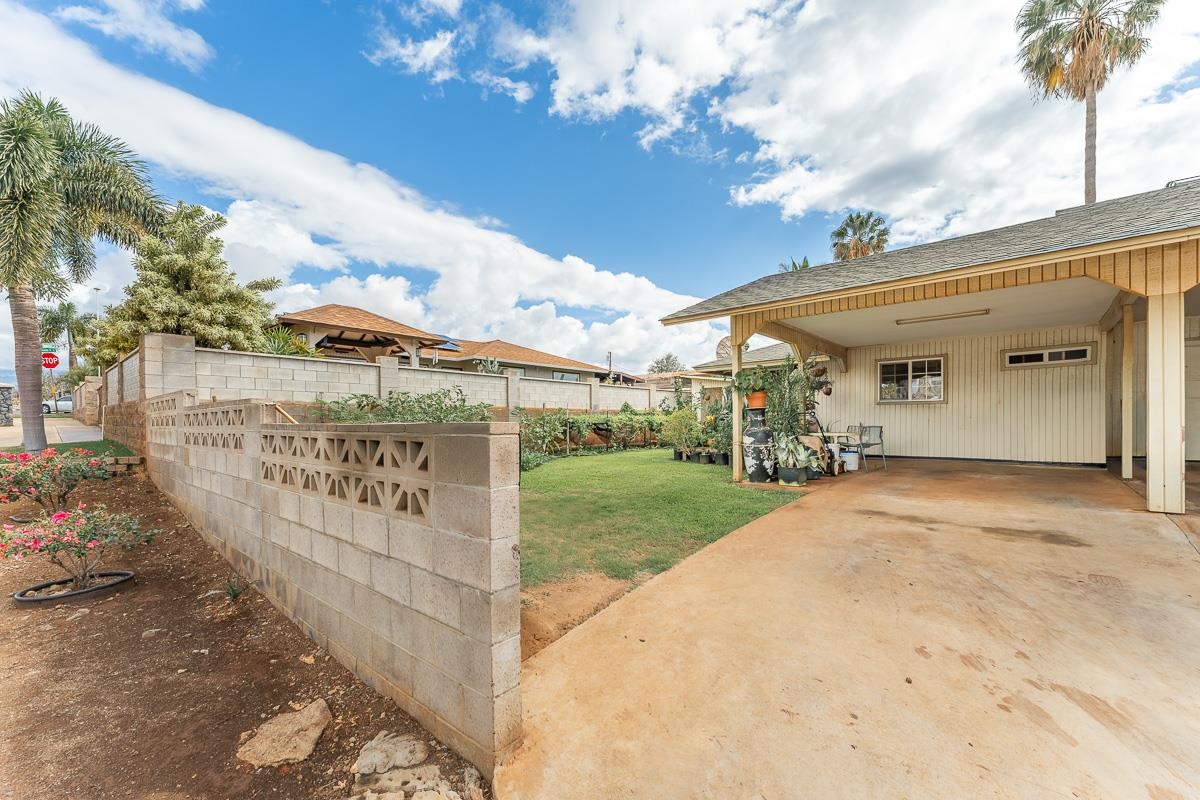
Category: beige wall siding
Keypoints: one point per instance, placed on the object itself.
(1048, 414)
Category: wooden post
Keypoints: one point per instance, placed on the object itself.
(1165, 435)
(1127, 391)
(735, 359)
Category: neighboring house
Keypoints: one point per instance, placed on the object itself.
(770, 356)
(349, 332)
(692, 382)
(466, 356)
(1066, 339)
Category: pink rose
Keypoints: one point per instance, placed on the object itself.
(58, 517)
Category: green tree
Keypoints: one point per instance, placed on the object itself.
(667, 362)
(860, 234)
(791, 265)
(184, 286)
(62, 183)
(62, 320)
(1069, 48)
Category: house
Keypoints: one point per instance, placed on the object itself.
(694, 383)
(1067, 339)
(349, 332)
(465, 355)
(770, 356)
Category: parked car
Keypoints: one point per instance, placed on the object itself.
(64, 403)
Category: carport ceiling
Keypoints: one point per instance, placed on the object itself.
(1079, 301)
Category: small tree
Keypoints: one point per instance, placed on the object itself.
(183, 286)
(681, 431)
(667, 362)
(47, 477)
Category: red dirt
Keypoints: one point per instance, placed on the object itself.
(549, 611)
(90, 710)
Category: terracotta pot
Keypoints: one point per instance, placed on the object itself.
(756, 400)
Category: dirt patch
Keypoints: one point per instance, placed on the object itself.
(146, 694)
(549, 611)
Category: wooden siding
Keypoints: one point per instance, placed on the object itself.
(1046, 414)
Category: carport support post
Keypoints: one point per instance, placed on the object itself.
(1165, 436)
(1127, 390)
(735, 365)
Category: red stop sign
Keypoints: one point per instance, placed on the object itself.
(49, 360)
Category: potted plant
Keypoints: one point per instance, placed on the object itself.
(753, 385)
(75, 541)
(795, 459)
(48, 477)
(681, 431)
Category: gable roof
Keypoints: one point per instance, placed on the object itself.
(1175, 207)
(771, 354)
(513, 353)
(350, 318)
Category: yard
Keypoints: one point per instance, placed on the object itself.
(594, 526)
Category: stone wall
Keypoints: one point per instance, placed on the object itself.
(86, 401)
(393, 546)
(125, 423)
(6, 405)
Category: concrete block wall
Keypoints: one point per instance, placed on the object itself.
(478, 387)
(86, 400)
(233, 375)
(612, 398)
(394, 546)
(124, 423)
(538, 392)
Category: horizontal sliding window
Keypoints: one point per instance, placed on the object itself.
(1049, 357)
(918, 380)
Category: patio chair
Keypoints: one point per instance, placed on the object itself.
(872, 437)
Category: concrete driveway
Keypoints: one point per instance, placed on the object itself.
(941, 629)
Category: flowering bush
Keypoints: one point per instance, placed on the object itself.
(47, 477)
(76, 541)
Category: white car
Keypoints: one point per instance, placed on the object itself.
(64, 403)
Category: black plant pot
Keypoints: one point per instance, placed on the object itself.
(694, 458)
(813, 474)
(793, 476)
(721, 458)
(679, 455)
(115, 577)
(706, 458)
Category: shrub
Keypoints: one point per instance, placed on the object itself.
(531, 459)
(626, 427)
(47, 477)
(443, 405)
(681, 431)
(75, 541)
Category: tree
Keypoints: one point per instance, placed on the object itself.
(1069, 48)
(183, 286)
(667, 362)
(860, 234)
(62, 183)
(62, 320)
(792, 266)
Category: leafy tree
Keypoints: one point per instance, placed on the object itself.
(1069, 48)
(183, 286)
(792, 266)
(62, 183)
(860, 234)
(62, 320)
(668, 362)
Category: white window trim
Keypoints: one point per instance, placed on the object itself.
(908, 360)
(575, 379)
(1046, 362)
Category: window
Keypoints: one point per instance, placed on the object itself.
(919, 380)
(566, 376)
(519, 370)
(1049, 357)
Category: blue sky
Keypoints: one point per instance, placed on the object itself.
(563, 173)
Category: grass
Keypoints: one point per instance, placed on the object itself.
(625, 513)
(101, 447)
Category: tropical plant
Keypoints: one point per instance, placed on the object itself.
(65, 320)
(679, 400)
(75, 541)
(1070, 48)
(667, 362)
(793, 266)
(489, 366)
(860, 234)
(681, 431)
(747, 381)
(184, 286)
(793, 394)
(62, 183)
(442, 405)
(48, 477)
(790, 452)
(542, 432)
(280, 340)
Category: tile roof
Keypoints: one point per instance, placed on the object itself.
(1173, 208)
(771, 354)
(513, 353)
(360, 321)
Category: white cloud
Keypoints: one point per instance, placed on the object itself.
(912, 107)
(434, 56)
(521, 91)
(145, 22)
(292, 204)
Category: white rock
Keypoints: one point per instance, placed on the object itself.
(83, 612)
(389, 751)
(414, 779)
(287, 738)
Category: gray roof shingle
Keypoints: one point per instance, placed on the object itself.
(759, 355)
(1173, 208)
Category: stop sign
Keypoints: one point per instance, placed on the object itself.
(49, 360)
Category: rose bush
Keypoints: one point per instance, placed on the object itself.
(76, 541)
(47, 477)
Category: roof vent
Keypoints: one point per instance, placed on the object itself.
(1182, 181)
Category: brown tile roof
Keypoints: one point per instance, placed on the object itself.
(356, 319)
(507, 351)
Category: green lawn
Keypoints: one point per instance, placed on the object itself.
(623, 513)
(101, 447)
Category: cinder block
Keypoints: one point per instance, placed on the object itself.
(490, 617)
(299, 538)
(339, 521)
(370, 530)
(325, 550)
(390, 577)
(312, 512)
(411, 543)
(435, 596)
(505, 563)
(463, 559)
(354, 563)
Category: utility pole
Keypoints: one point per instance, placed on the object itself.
(610, 375)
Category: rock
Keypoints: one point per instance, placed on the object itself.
(83, 612)
(471, 777)
(385, 796)
(429, 794)
(287, 738)
(389, 751)
(308, 659)
(150, 632)
(414, 779)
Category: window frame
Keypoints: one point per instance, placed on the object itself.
(908, 401)
(575, 378)
(1046, 362)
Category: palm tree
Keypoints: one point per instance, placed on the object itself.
(860, 234)
(62, 320)
(793, 266)
(1071, 47)
(62, 183)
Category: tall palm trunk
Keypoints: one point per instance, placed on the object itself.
(1089, 146)
(27, 340)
